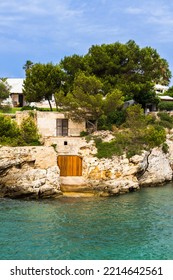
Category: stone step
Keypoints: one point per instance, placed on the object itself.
(74, 184)
(75, 188)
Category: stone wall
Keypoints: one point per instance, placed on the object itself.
(66, 145)
(46, 123)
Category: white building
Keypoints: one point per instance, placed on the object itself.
(16, 91)
(160, 89)
(16, 98)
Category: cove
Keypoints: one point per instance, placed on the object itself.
(134, 226)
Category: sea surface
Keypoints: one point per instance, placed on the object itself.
(128, 227)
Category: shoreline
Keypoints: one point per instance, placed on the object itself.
(33, 172)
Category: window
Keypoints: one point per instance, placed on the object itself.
(62, 127)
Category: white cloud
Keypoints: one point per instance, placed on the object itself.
(134, 11)
(36, 19)
(44, 29)
(55, 22)
(155, 16)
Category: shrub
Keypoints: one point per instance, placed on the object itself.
(127, 142)
(83, 133)
(10, 134)
(150, 119)
(8, 128)
(168, 106)
(5, 109)
(154, 136)
(165, 124)
(29, 131)
(108, 149)
(165, 148)
(115, 118)
(165, 116)
(165, 120)
(28, 108)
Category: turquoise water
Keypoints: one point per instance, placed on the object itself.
(133, 226)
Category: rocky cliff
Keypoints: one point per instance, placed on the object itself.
(29, 172)
(120, 175)
(33, 172)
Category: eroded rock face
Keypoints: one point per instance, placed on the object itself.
(119, 174)
(29, 172)
(33, 172)
(159, 169)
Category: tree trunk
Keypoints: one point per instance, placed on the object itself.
(50, 104)
(94, 126)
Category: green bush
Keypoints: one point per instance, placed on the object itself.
(165, 120)
(131, 144)
(12, 135)
(29, 131)
(165, 148)
(108, 149)
(5, 109)
(154, 136)
(115, 118)
(164, 116)
(165, 106)
(150, 119)
(8, 128)
(139, 132)
(83, 133)
(28, 108)
(165, 124)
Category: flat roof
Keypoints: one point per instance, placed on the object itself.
(166, 97)
(16, 85)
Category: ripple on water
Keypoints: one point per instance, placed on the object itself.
(133, 226)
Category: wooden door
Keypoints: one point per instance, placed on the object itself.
(70, 165)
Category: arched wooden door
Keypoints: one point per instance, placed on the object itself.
(70, 165)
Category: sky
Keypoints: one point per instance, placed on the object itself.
(47, 31)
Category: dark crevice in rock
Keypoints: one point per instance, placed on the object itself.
(142, 172)
(4, 169)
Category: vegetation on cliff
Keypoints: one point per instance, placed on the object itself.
(139, 132)
(13, 135)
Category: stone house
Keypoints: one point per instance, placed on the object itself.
(61, 132)
(53, 124)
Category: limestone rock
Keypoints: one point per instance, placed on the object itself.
(29, 172)
(33, 171)
(158, 170)
(119, 174)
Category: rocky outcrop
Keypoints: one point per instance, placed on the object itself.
(120, 175)
(29, 172)
(158, 170)
(33, 171)
(111, 176)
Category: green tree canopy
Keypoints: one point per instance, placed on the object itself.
(86, 101)
(28, 65)
(42, 81)
(4, 90)
(29, 131)
(126, 67)
(13, 135)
